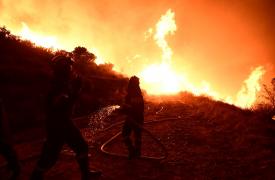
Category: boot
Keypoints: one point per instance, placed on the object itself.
(138, 147)
(137, 152)
(37, 175)
(11, 157)
(15, 172)
(131, 152)
(130, 147)
(86, 174)
(14, 166)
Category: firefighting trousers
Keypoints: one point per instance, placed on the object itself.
(54, 143)
(10, 155)
(127, 129)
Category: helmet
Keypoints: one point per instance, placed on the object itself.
(61, 61)
(134, 80)
(62, 65)
(133, 86)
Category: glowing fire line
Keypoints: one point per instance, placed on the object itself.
(248, 92)
(39, 40)
(162, 79)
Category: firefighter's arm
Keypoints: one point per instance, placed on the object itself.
(76, 88)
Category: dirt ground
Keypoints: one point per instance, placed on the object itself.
(197, 147)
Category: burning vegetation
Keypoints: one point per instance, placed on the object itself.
(210, 134)
(162, 78)
(31, 63)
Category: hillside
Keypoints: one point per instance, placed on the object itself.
(25, 73)
(204, 139)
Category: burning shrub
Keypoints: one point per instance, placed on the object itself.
(266, 104)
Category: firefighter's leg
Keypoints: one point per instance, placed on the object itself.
(78, 144)
(48, 157)
(138, 138)
(11, 157)
(126, 132)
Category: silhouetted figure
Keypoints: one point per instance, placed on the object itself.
(134, 109)
(6, 148)
(59, 125)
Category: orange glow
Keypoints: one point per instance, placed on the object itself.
(99, 59)
(37, 39)
(248, 93)
(161, 78)
(205, 47)
(165, 26)
(52, 42)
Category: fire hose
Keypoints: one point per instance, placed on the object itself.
(165, 153)
(103, 146)
(117, 134)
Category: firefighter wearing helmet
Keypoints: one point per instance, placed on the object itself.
(59, 125)
(134, 109)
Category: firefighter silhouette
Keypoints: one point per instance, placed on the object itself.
(59, 125)
(134, 109)
(6, 148)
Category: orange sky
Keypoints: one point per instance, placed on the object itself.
(217, 41)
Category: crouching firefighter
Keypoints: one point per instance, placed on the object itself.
(134, 110)
(59, 125)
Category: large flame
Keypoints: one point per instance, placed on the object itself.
(37, 39)
(162, 79)
(53, 43)
(248, 93)
(164, 27)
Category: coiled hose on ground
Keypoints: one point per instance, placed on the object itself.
(165, 153)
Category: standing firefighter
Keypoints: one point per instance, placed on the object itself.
(134, 109)
(59, 125)
(6, 148)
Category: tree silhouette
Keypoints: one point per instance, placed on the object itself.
(84, 60)
(82, 55)
(269, 94)
(4, 33)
